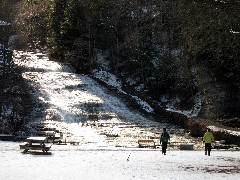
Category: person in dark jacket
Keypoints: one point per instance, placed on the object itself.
(208, 139)
(164, 140)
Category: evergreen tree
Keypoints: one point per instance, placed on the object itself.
(55, 21)
(211, 31)
(30, 22)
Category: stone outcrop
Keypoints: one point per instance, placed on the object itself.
(219, 98)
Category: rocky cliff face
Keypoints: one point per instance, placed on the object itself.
(219, 98)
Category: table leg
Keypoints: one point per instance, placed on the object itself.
(25, 151)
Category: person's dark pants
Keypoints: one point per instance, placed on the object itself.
(164, 147)
(208, 147)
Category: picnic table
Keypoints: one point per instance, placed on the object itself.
(35, 143)
(47, 133)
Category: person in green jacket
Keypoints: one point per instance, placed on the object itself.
(208, 139)
(164, 140)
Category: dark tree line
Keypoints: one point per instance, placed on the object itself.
(15, 102)
(176, 48)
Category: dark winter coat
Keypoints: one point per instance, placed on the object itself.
(164, 137)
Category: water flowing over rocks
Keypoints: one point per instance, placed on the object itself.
(83, 111)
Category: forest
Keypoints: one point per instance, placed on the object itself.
(175, 49)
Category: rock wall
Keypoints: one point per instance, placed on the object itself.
(219, 99)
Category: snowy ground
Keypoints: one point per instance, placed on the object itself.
(107, 132)
(65, 162)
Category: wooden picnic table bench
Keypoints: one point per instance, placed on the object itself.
(35, 143)
(58, 139)
(74, 142)
(47, 133)
(146, 143)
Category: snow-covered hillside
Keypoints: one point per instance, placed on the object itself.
(107, 132)
(83, 110)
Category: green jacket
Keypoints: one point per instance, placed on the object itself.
(208, 137)
(164, 137)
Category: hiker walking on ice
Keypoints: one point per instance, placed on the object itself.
(208, 139)
(164, 140)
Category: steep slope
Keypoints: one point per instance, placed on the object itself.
(86, 111)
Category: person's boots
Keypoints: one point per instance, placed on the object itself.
(208, 153)
(205, 152)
